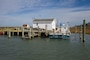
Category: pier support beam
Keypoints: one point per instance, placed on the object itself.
(81, 32)
(3, 32)
(17, 31)
(29, 33)
(9, 34)
(22, 32)
(38, 32)
(7, 31)
(12, 33)
(46, 30)
(32, 33)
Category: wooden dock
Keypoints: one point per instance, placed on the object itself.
(24, 33)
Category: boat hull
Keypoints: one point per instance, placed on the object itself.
(59, 36)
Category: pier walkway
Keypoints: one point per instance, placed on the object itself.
(25, 33)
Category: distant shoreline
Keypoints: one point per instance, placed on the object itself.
(78, 28)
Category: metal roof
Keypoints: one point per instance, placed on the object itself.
(43, 21)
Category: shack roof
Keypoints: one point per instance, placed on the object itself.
(43, 21)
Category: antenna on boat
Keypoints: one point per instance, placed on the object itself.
(68, 25)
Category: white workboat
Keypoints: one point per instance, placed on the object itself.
(61, 32)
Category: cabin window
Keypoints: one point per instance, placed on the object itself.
(36, 24)
(56, 28)
(64, 27)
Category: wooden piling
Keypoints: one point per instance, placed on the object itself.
(46, 30)
(29, 32)
(32, 33)
(83, 31)
(9, 34)
(12, 33)
(3, 32)
(38, 32)
(7, 31)
(22, 32)
(17, 31)
(75, 31)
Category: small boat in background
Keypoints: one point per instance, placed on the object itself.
(61, 32)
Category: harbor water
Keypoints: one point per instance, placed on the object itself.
(38, 48)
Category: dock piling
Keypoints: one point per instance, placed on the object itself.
(32, 33)
(12, 33)
(46, 30)
(22, 32)
(38, 32)
(29, 32)
(9, 34)
(83, 31)
(17, 31)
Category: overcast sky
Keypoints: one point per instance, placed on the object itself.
(18, 12)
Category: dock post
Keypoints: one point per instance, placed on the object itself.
(13, 33)
(32, 33)
(22, 32)
(9, 34)
(17, 31)
(29, 32)
(38, 31)
(46, 30)
(83, 31)
(75, 31)
(3, 32)
(7, 31)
